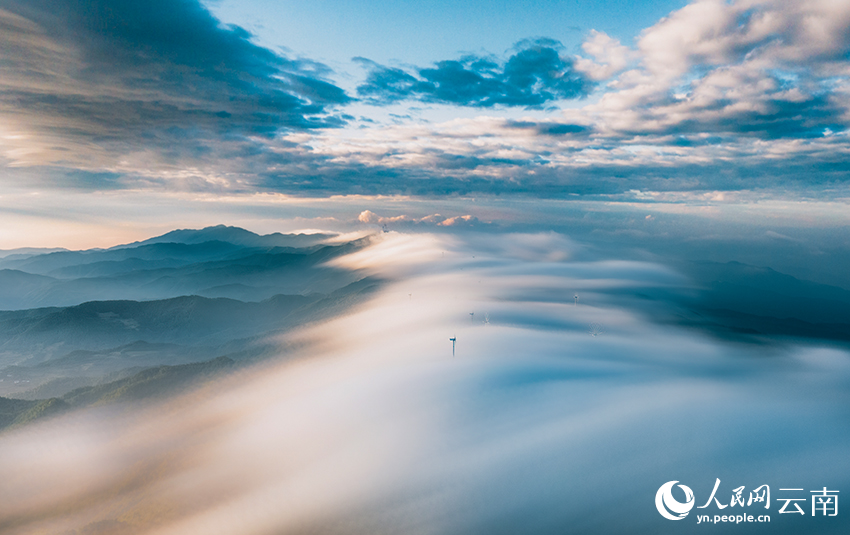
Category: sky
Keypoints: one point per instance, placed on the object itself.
(533, 135)
(119, 121)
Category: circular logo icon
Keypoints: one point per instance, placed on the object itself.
(668, 506)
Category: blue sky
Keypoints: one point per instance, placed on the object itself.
(433, 113)
(423, 32)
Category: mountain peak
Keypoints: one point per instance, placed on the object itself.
(234, 235)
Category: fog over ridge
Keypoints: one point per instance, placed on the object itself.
(536, 425)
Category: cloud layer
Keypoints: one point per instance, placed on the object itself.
(764, 69)
(749, 95)
(535, 426)
(718, 96)
(82, 79)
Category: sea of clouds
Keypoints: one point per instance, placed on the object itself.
(553, 416)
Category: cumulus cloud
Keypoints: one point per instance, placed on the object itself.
(718, 95)
(757, 68)
(535, 74)
(469, 221)
(715, 32)
(607, 56)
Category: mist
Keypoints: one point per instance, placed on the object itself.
(570, 399)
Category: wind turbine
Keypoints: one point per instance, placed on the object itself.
(471, 317)
(486, 318)
(576, 303)
(453, 340)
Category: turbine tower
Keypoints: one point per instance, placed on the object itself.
(576, 298)
(453, 340)
(471, 317)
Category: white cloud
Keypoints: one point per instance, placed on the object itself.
(369, 217)
(752, 67)
(376, 428)
(716, 32)
(609, 56)
(738, 84)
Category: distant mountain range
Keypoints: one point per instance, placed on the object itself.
(98, 320)
(155, 317)
(216, 262)
(152, 383)
(28, 251)
(756, 304)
